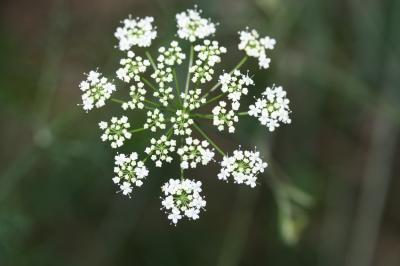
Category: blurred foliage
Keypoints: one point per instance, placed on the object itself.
(339, 61)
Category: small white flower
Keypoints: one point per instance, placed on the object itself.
(243, 166)
(235, 85)
(129, 171)
(162, 75)
(194, 152)
(160, 150)
(132, 67)
(223, 118)
(155, 119)
(182, 123)
(96, 90)
(135, 32)
(126, 188)
(272, 108)
(254, 46)
(171, 56)
(117, 132)
(208, 54)
(192, 99)
(164, 95)
(136, 93)
(191, 26)
(182, 199)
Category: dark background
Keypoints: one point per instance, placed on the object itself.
(339, 62)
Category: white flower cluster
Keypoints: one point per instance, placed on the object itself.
(135, 32)
(136, 93)
(96, 90)
(254, 46)
(192, 99)
(171, 56)
(182, 199)
(175, 114)
(117, 132)
(191, 26)
(194, 152)
(208, 55)
(243, 166)
(182, 123)
(272, 108)
(132, 67)
(129, 171)
(167, 59)
(223, 118)
(236, 85)
(155, 119)
(160, 150)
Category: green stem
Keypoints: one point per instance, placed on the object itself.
(243, 113)
(190, 66)
(152, 103)
(214, 99)
(178, 91)
(209, 140)
(151, 60)
(117, 100)
(137, 130)
(148, 83)
(202, 116)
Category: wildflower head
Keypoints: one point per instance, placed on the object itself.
(182, 199)
(96, 90)
(135, 32)
(243, 167)
(191, 26)
(172, 106)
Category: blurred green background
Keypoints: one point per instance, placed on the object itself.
(338, 60)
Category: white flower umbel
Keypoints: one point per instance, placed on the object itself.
(194, 152)
(132, 67)
(222, 118)
(191, 26)
(137, 93)
(184, 98)
(135, 32)
(96, 90)
(254, 46)
(171, 56)
(235, 85)
(182, 199)
(129, 171)
(159, 150)
(116, 132)
(164, 95)
(155, 119)
(243, 166)
(192, 99)
(272, 108)
(182, 122)
(208, 55)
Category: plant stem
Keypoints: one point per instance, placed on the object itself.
(243, 113)
(137, 130)
(202, 116)
(190, 66)
(148, 83)
(214, 99)
(209, 140)
(117, 100)
(178, 91)
(151, 60)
